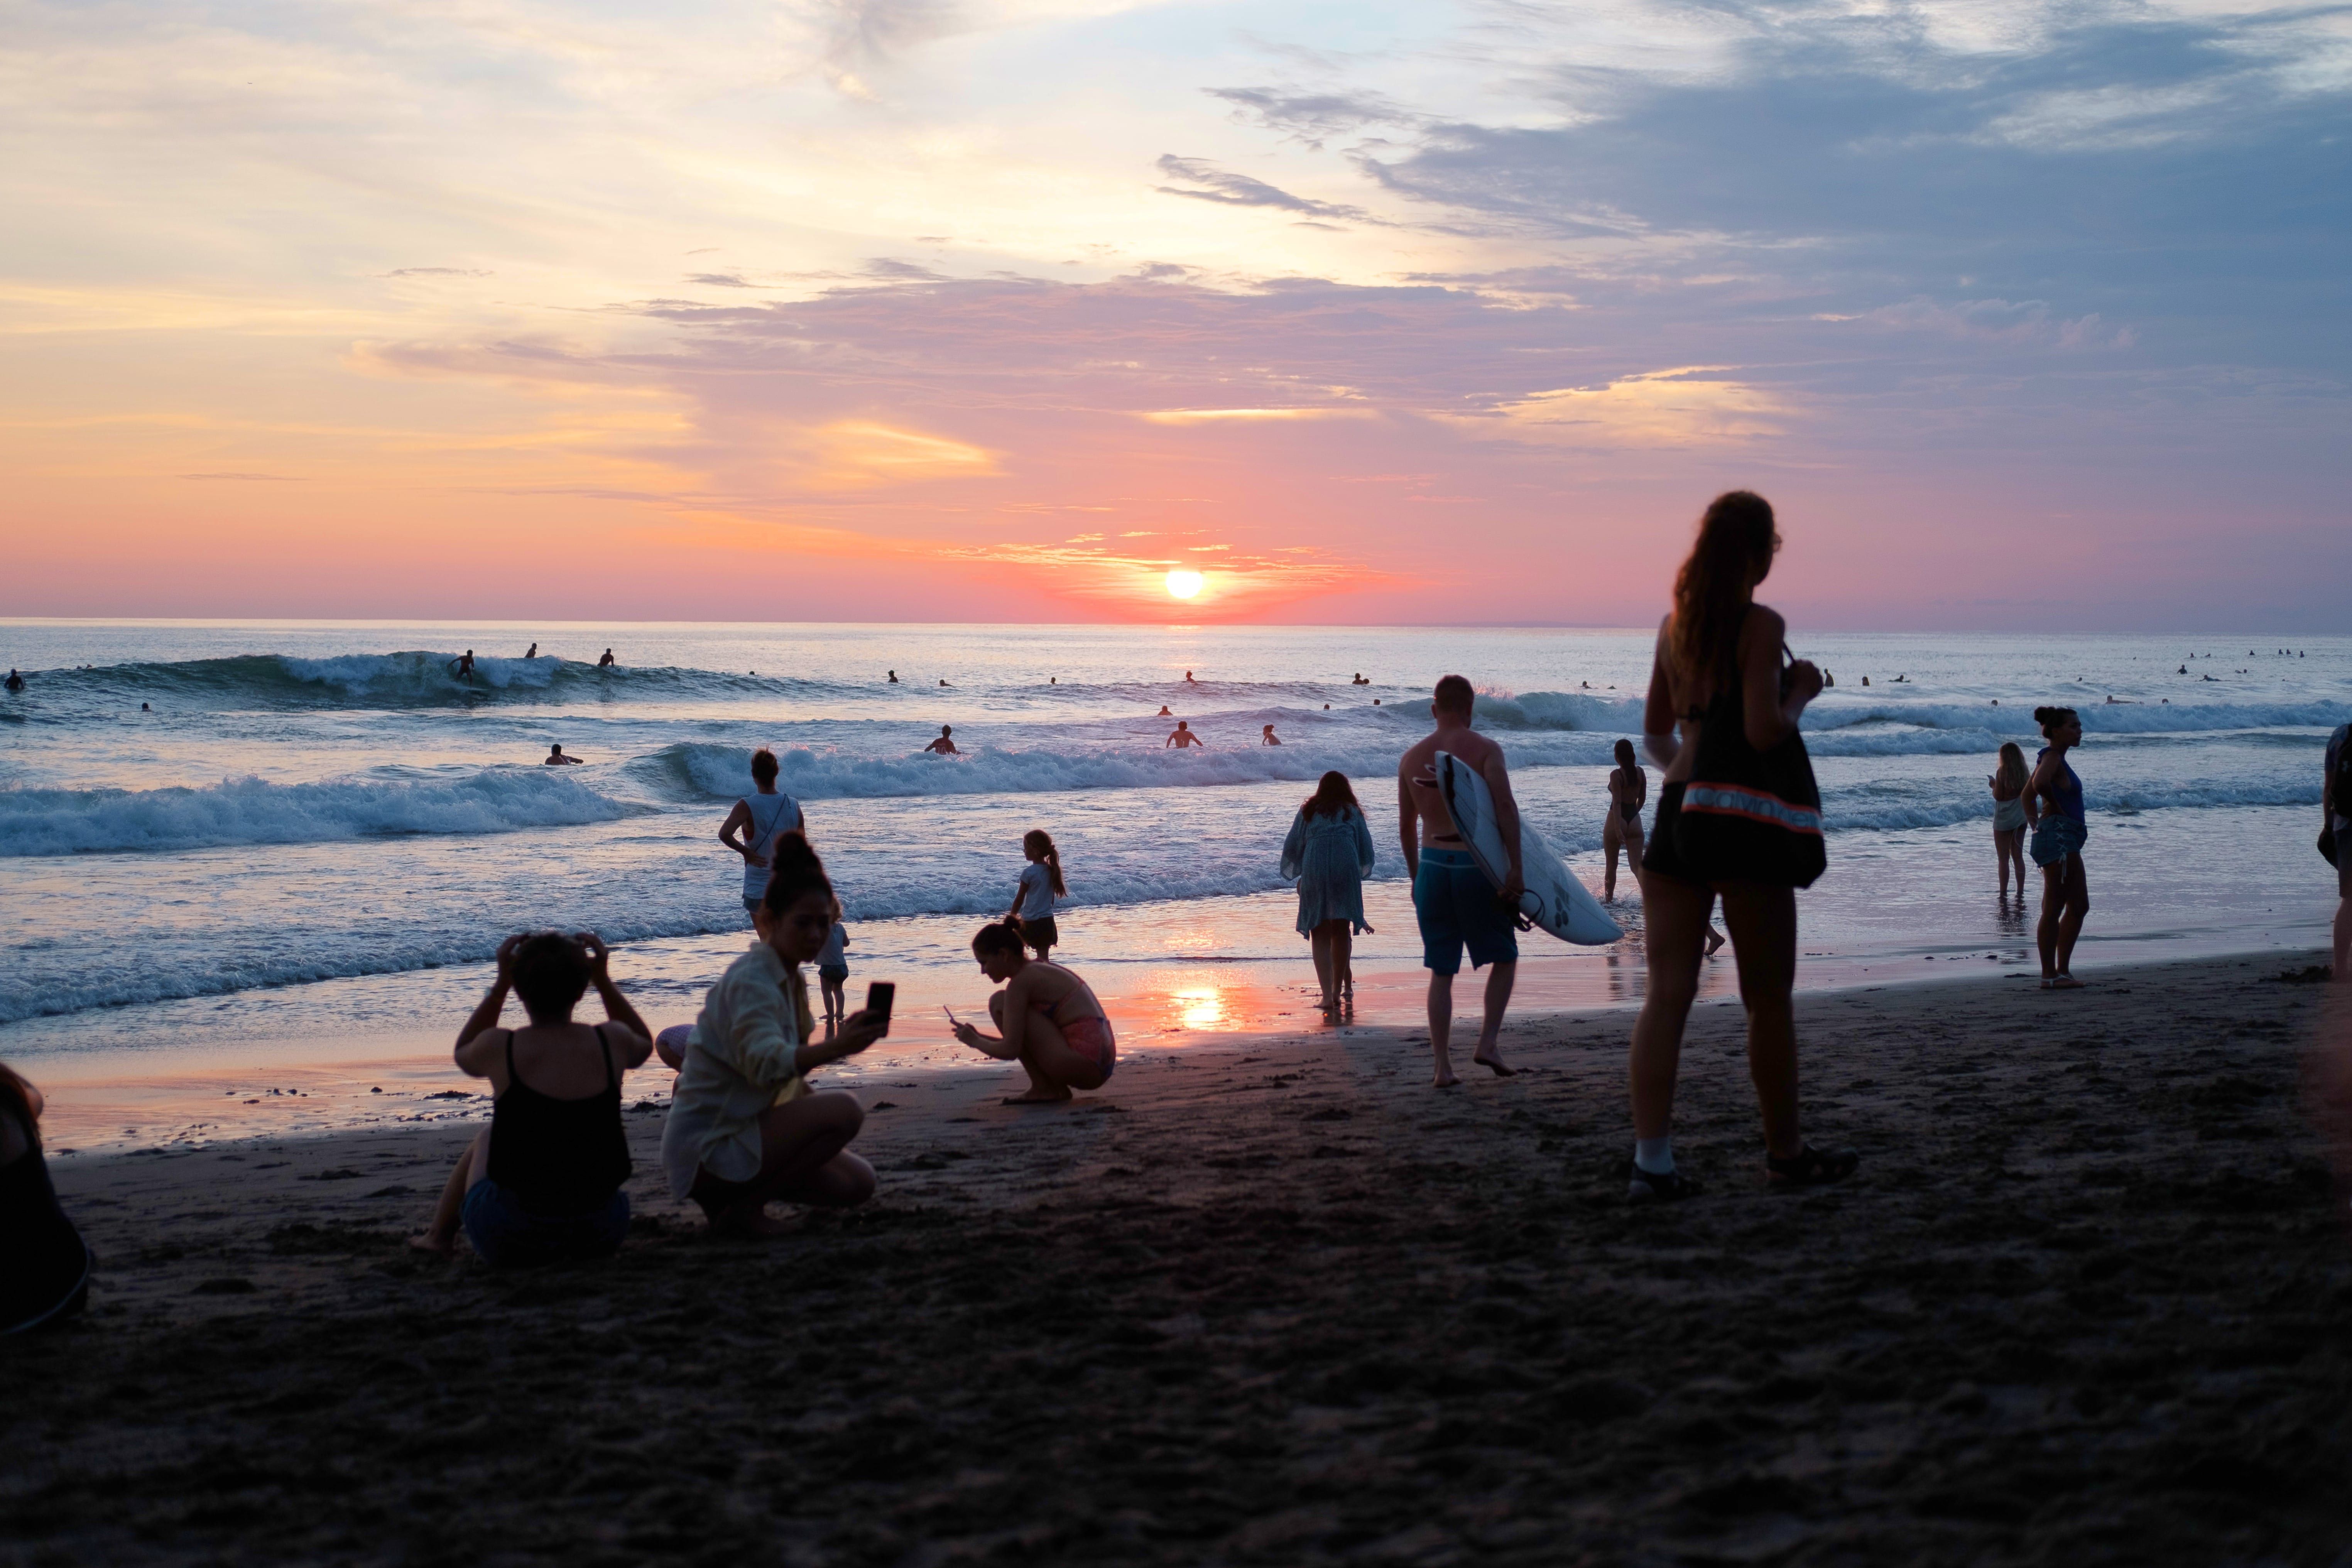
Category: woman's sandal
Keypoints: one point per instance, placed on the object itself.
(1656, 1187)
(1810, 1168)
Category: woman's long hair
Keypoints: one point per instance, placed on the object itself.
(1736, 544)
(17, 1100)
(2010, 776)
(1040, 843)
(794, 873)
(1333, 795)
(1625, 754)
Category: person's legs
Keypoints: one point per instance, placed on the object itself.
(2045, 930)
(2078, 905)
(1763, 922)
(2001, 852)
(1054, 1068)
(1343, 959)
(441, 1235)
(2343, 953)
(1674, 915)
(1327, 977)
(1613, 838)
(1440, 1026)
(1441, 955)
(1499, 978)
(1634, 849)
(798, 1140)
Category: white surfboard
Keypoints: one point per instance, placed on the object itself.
(1555, 899)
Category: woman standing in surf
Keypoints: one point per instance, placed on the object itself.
(2054, 803)
(1717, 675)
(761, 818)
(2007, 785)
(1328, 854)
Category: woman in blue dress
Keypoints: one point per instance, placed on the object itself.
(1327, 853)
(2054, 804)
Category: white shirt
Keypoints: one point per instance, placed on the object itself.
(1036, 891)
(739, 1062)
(783, 814)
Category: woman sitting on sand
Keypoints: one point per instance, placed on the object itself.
(1328, 854)
(744, 1127)
(2054, 804)
(44, 1266)
(2008, 786)
(1051, 1022)
(543, 1181)
(1717, 675)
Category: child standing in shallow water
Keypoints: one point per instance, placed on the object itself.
(1040, 884)
(833, 974)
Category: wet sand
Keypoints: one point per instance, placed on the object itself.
(2089, 1299)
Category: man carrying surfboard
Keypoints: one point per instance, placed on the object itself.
(1457, 906)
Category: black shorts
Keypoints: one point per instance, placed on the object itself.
(1659, 858)
(1040, 933)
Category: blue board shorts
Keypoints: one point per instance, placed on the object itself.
(507, 1235)
(1458, 908)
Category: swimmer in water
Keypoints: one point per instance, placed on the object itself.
(145, 709)
(1163, 712)
(17, 681)
(943, 682)
(556, 759)
(1183, 736)
(605, 662)
(943, 745)
(532, 652)
(1267, 737)
(894, 678)
(1188, 676)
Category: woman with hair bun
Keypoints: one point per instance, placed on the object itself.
(745, 1129)
(1753, 838)
(2054, 804)
(1050, 1020)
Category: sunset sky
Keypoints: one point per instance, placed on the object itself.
(2026, 316)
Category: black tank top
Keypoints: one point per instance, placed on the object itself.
(43, 1264)
(559, 1156)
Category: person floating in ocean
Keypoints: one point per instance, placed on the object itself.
(47, 1277)
(1866, 680)
(607, 661)
(1188, 677)
(1458, 908)
(944, 680)
(1716, 675)
(2336, 841)
(1629, 790)
(145, 709)
(1360, 679)
(1183, 736)
(2007, 782)
(1049, 1020)
(556, 759)
(745, 1130)
(16, 681)
(833, 976)
(763, 818)
(894, 678)
(541, 1184)
(945, 745)
(1328, 854)
(1164, 713)
(532, 652)
(1039, 884)
(2054, 804)
(1267, 737)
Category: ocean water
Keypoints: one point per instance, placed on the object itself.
(305, 846)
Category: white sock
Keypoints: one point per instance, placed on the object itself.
(1655, 1155)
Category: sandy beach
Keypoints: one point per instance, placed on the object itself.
(2089, 1299)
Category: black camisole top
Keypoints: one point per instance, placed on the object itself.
(559, 1156)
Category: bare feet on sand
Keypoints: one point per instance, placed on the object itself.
(748, 1219)
(438, 1246)
(1038, 1097)
(1714, 942)
(1445, 1080)
(2061, 983)
(1494, 1064)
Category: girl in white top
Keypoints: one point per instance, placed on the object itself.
(1040, 884)
(761, 819)
(744, 1127)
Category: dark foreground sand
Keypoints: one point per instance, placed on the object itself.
(2089, 1301)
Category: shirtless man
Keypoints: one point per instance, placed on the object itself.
(1268, 738)
(943, 746)
(1454, 903)
(1183, 736)
(607, 662)
(556, 759)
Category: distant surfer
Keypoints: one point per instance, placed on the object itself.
(1267, 737)
(532, 652)
(943, 681)
(15, 681)
(1456, 906)
(1183, 736)
(605, 662)
(945, 746)
(462, 667)
(762, 817)
(894, 678)
(556, 759)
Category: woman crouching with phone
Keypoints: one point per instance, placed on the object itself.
(1052, 1023)
(745, 1129)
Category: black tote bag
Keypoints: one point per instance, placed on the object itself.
(1750, 816)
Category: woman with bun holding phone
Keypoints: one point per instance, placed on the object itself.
(745, 1129)
(1052, 1022)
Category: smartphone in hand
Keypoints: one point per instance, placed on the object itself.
(878, 998)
